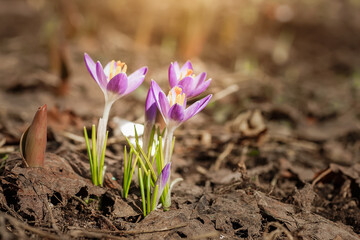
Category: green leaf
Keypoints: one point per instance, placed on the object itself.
(102, 160)
(154, 197)
(142, 190)
(94, 157)
(151, 141)
(125, 171)
(130, 177)
(89, 152)
(148, 193)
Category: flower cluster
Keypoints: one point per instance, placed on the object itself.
(156, 146)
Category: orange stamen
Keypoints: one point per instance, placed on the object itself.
(177, 90)
(189, 72)
(120, 67)
(179, 98)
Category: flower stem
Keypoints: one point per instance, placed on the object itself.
(168, 144)
(167, 158)
(106, 112)
(101, 139)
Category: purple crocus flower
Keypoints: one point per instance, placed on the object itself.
(173, 106)
(113, 79)
(115, 84)
(185, 78)
(173, 109)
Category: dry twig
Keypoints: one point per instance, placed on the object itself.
(20, 225)
(223, 155)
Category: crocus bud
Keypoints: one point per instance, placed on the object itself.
(150, 117)
(150, 108)
(162, 181)
(33, 141)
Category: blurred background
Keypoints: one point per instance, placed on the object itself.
(296, 61)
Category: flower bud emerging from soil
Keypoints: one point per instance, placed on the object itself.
(33, 141)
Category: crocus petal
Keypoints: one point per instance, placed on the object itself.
(136, 79)
(118, 84)
(186, 66)
(138, 73)
(150, 107)
(196, 107)
(163, 105)
(162, 179)
(177, 69)
(176, 113)
(199, 79)
(201, 88)
(156, 90)
(101, 78)
(173, 78)
(187, 85)
(107, 69)
(91, 66)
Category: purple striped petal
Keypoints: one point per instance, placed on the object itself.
(201, 88)
(163, 105)
(162, 180)
(138, 73)
(164, 176)
(177, 69)
(176, 113)
(173, 77)
(150, 107)
(187, 85)
(199, 79)
(118, 84)
(136, 79)
(102, 80)
(91, 66)
(196, 107)
(156, 91)
(107, 69)
(186, 66)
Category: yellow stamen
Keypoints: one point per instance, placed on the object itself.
(170, 98)
(179, 98)
(111, 69)
(120, 67)
(124, 68)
